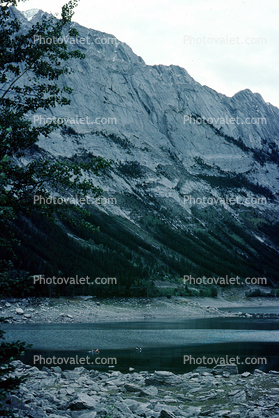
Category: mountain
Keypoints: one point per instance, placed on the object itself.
(194, 184)
(29, 14)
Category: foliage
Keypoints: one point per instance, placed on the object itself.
(29, 70)
(255, 293)
(259, 293)
(136, 256)
(131, 168)
(14, 283)
(8, 351)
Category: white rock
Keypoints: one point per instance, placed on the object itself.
(19, 311)
(246, 374)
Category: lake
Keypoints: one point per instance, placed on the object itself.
(179, 346)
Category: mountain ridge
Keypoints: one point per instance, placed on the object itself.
(173, 141)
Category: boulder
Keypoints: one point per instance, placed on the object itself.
(122, 407)
(163, 378)
(81, 401)
(132, 388)
(238, 396)
(70, 375)
(94, 373)
(258, 371)
(193, 411)
(91, 414)
(19, 311)
(17, 364)
(221, 368)
(166, 414)
(149, 391)
(132, 404)
(245, 374)
(56, 369)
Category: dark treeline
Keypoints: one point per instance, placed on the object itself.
(136, 257)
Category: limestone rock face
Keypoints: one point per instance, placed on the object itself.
(178, 147)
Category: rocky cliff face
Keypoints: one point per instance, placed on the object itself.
(187, 160)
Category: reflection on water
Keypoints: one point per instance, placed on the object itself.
(167, 358)
(164, 344)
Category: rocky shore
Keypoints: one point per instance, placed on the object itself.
(79, 393)
(88, 309)
(82, 393)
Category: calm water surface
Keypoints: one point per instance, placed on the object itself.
(205, 342)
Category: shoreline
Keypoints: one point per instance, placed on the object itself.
(88, 309)
(83, 393)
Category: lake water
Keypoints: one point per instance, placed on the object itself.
(175, 346)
